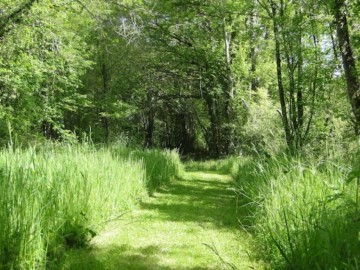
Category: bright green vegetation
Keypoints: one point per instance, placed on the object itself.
(210, 78)
(225, 166)
(161, 166)
(190, 224)
(303, 214)
(78, 207)
(101, 100)
(55, 198)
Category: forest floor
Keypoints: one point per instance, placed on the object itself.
(191, 224)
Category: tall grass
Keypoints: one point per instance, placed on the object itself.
(303, 214)
(57, 197)
(226, 166)
(161, 166)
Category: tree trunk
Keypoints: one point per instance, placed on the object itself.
(213, 145)
(254, 47)
(104, 118)
(149, 134)
(150, 121)
(299, 97)
(228, 88)
(348, 60)
(279, 78)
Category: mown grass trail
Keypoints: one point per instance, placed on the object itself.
(191, 224)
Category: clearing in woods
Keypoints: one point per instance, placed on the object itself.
(190, 224)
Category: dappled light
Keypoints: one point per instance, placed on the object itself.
(177, 228)
(116, 257)
(202, 200)
(179, 135)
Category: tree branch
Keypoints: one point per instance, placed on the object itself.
(15, 17)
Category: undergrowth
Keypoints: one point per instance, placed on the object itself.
(303, 214)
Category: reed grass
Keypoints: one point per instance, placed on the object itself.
(303, 214)
(53, 198)
(58, 197)
(161, 166)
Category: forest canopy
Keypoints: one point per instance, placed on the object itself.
(206, 77)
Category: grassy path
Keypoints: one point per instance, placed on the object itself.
(191, 224)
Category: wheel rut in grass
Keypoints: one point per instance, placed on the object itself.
(190, 224)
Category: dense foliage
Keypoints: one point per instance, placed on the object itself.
(206, 77)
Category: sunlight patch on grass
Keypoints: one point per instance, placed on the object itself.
(207, 176)
(191, 224)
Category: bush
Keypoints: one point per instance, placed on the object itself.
(302, 214)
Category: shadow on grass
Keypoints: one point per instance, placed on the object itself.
(206, 198)
(118, 258)
(115, 257)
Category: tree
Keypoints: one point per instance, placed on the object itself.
(41, 63)
(292, 22)
(352, 78)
